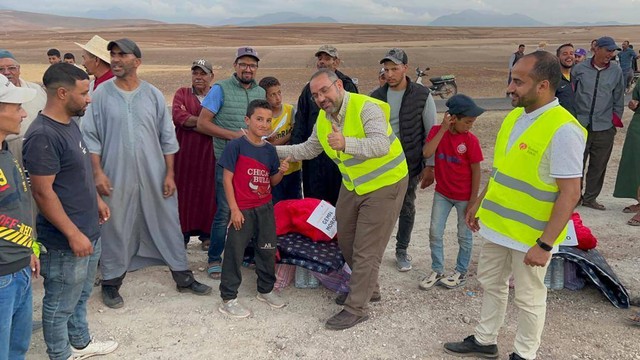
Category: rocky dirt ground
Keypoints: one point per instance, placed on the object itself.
(159, 323)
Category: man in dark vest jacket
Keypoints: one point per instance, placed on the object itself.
(413, 112)
(321, 178)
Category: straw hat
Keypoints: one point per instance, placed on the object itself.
(97, 46)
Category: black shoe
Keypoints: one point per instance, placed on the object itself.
(514, 356)
(469, 347)
(196, 288)
(344, 320)
(111, 297)
(340, 299)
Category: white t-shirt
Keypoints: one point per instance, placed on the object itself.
(561, 160)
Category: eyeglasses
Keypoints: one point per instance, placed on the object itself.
(244, 66)
(324, 91)
(12, 68)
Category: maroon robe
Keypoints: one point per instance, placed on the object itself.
(194, 167)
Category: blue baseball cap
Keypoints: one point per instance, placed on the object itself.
(6, 54)
(461, 104)
(607, 43)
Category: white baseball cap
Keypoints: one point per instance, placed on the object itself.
(10, 94)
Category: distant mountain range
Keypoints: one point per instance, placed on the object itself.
(486, 19)
(117, 17)
(22, 20)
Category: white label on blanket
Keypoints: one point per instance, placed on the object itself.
(571, 239)
(323, 218)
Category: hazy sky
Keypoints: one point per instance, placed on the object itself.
(352, 11)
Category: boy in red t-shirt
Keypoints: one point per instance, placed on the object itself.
(251, 169)
(457, 172)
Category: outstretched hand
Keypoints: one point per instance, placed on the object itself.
(284, 165)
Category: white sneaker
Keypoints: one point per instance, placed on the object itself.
(454, 280)
(272, 299)
(234, 309)
(430, 281)
(94, 348)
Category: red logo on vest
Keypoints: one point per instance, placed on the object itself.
(523, 146)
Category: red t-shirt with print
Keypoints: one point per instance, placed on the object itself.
(453, 159)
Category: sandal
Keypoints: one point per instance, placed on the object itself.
(634, 221)
(594, 205)
(631, 209)
(214, 270)
(633, 319)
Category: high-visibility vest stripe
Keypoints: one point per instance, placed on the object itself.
(519, 185)
(379, 171)
(514, 215)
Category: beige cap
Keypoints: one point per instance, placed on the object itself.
(97, 46)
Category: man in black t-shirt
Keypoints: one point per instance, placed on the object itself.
(17, 259)
(59, 167)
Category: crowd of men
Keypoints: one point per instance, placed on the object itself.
(104, 159)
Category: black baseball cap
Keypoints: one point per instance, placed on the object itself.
(461, 104)
(127, 46)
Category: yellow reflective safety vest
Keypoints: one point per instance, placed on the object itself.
(363, 175)
(518, 203)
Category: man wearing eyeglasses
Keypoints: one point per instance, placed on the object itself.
(353, 130)
(320, 176)
(10, 68)
(222, 117)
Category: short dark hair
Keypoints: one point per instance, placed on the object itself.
(62, 74)
(257, 104)
(521, 45)
(268, 82)
(561, 46)
(69, 56)
(53, 52)
(547, 67)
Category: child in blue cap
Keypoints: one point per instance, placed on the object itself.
(457, 173)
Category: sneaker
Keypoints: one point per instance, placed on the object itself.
(234, 309)
(514, 356)
(272, 299)
(430, 281)
(469, 347)
(111, 297)
(94, 348)
(454, 280)
(403, 261)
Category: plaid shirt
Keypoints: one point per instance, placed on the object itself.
(374, 144)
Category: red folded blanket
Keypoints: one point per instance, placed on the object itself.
(292, 215)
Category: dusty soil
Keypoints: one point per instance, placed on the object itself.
(159, 323)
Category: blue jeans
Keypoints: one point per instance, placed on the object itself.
(439, 214)
(68, 281)
(16, 311)
(220, 220)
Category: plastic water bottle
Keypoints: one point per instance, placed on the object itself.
(547, 276)
(312, 281)
(557, 276)
(301, 278)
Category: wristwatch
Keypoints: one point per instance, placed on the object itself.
(543, 245)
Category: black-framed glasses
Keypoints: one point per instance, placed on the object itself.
(244, 66)
(323, 91)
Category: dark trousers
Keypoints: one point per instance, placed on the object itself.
(597, 151)
(289, 188)
(365, 224)
(182, 278)
(260, 227)
(407, 215)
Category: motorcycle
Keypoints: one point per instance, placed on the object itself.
(444, 86)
